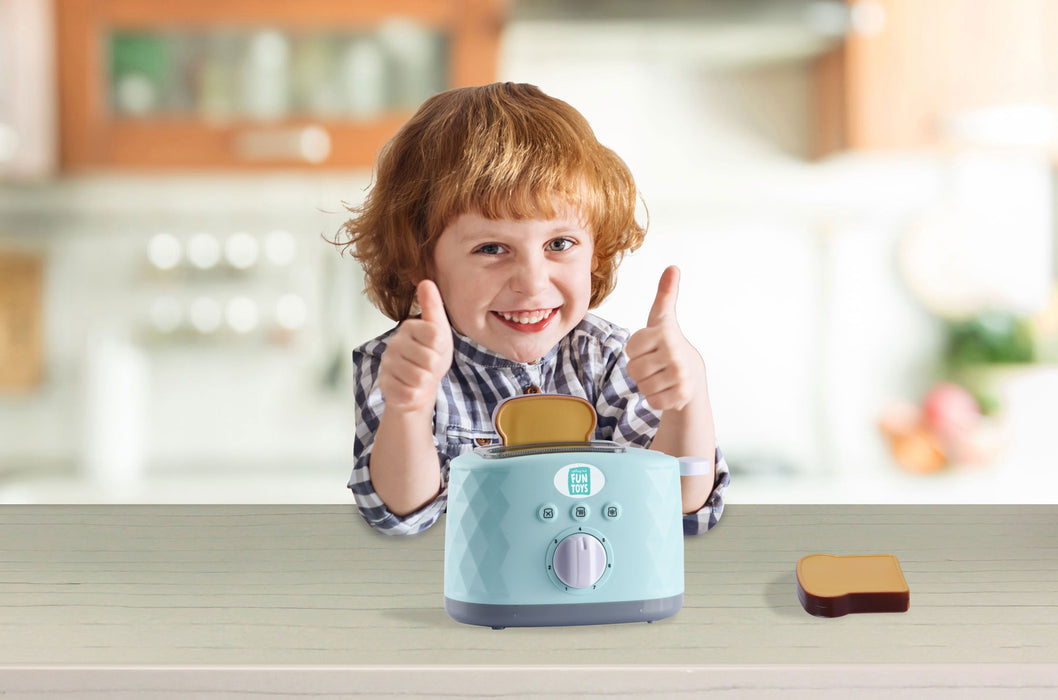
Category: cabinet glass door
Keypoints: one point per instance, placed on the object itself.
(267, 73)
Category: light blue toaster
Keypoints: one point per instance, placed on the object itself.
(571, 533)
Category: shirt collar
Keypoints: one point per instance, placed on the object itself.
(466, 351)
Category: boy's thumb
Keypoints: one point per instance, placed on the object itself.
(429, 297)
(665, 302)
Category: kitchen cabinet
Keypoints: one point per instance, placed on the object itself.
(940, 73)
(257, 84)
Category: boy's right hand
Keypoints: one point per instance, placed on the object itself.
(418, 356)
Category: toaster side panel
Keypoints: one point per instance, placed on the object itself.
(477, 544)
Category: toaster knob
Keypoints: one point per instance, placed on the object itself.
(579, 560)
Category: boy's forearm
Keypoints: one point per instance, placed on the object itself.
(405, 469)
(690, 432)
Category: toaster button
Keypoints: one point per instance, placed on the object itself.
(579, 561)
(547, 512)
(580, 512)
(611, 511)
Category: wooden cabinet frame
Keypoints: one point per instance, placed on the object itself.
(92, 139)
(899, 85)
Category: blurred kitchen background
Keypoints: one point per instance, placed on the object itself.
(860, 195)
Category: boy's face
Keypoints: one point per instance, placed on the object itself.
(515, 287)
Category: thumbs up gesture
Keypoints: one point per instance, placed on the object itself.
(667, 369)
(418, 356)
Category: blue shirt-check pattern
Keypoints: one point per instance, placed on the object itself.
(588, 362)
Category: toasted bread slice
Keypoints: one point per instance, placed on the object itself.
(538, 418)
(831, 586)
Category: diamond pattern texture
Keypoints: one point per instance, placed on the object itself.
(481, 545)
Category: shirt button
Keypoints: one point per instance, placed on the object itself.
(533, 389)
(483, 441)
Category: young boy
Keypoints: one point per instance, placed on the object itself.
(497, 214)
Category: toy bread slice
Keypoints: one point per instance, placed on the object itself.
(535, 418)
(831, 586)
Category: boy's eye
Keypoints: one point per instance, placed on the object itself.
(490, 249)
(560, 244)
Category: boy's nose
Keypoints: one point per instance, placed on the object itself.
(530, 277)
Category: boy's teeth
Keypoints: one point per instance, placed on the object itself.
(526, 317)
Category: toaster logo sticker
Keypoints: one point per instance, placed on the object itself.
(579, 480)
(579, 483)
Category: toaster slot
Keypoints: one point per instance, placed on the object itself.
(505, 451)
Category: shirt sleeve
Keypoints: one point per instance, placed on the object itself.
(709, 515)
(625, 416)
(369, 408)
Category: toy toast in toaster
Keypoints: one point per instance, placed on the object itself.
(495, 222)
(553, 528)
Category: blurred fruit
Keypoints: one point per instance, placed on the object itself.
(977, 447)
(918, 451)
(950, 411)
(899, 418)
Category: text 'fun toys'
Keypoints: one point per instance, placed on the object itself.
(552, 528)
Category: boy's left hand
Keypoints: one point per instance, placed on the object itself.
(667, 369)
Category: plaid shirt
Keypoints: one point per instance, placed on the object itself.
(588, 362)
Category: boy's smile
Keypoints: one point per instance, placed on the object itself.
(515, 287)
(527, 321)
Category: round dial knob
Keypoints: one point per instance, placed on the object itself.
(579, 560)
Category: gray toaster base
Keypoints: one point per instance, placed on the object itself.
(499, 616)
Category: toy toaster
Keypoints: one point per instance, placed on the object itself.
(552, 528)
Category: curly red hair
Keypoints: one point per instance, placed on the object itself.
(503, 150)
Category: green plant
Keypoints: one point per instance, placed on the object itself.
(992, 337)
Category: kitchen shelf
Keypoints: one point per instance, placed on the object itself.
(214, 84)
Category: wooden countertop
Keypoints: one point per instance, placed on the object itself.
(220, 594)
